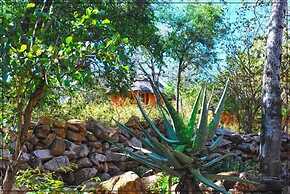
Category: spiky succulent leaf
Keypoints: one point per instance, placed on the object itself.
(216, 143)
(153, 126)
(218, 159)
(170, 131)
(215, 121)
(198, 176)
(179, 126)
(200, 136)
(192, 121)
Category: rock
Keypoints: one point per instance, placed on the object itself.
(125, 183)
(49, 139)
(95, 127)
(70, 154)
(84, 163)
(149, 181)
(58, 147)
(59, 124)
(44, 120)
(56, 163)
(34, 140)
(60, 132)
(97, 158)
(113, 169)
(25, 157)
(224, 143)
(91, 137)
(103, 167)
(29, 146)
(43, 154)
(84, 174)
(76, 137)
(81, 151)
(42, 131)
(76, 125)
(115, 156)
(135, 142)
(104, 176)
(96, 144)
(128, 165)
(106, 146)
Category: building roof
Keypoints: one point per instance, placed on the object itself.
(144, 86)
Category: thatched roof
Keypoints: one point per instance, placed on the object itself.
(144, 86)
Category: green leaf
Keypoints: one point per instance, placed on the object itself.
(216, 143)
(201, 132)
(153, 126)
(23, 47)
(30, 5)
(215, 121)
(106, 21)
(192, 121)
(207, 182)
(68, 39)
(214, 161)
(170, 132)
(179, 125)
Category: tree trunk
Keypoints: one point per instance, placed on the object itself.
(178, 86)
(11, 171)
(271, 100)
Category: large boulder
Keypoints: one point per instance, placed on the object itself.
(56, 163)
(126, 183)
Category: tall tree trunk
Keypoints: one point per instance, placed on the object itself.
(178, 86)
(271, 101)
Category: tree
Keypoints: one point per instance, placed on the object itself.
(45, 49)
(190, 39)
(271, 97)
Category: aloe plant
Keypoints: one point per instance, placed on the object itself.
(180, 151)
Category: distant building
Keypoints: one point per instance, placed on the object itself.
(141, 88)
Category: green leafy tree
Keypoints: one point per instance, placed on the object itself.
(45, 49)
(190, 38)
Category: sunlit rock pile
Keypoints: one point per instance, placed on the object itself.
(77, 150)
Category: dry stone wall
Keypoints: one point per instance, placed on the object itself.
(78, 150)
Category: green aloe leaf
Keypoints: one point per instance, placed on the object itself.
(216, 143)
(167, 152)
(198, 176)
(192, 121)
(215, 121)
(170, 131)
(179, 126)
(153, 126)
(214, 161)
(202, 131)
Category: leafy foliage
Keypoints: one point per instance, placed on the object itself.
(36, 180)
